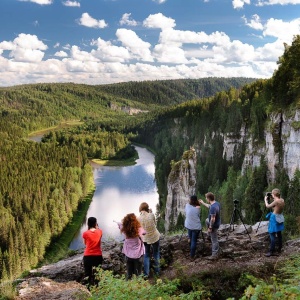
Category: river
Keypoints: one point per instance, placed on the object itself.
(119, 191)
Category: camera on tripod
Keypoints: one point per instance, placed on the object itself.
(269, 196)
(235, 202)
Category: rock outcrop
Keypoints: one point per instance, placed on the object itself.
(181, 185)
(243, 248)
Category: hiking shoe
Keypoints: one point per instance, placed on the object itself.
(213, 257)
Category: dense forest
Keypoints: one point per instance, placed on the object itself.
(42, 184)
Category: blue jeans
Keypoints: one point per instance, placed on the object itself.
(273, 236)
(193, 236)
(155, 249)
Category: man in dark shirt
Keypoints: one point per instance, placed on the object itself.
(213, 222)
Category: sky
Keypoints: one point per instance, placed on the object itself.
(109, 41)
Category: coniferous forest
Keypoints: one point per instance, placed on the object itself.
(42, 184)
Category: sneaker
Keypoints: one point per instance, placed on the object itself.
(213, 257)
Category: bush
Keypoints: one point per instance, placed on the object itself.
(116, 287)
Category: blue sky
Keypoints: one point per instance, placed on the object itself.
(108, 41)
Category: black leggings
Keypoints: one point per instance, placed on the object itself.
(90, 262)
(134, 266)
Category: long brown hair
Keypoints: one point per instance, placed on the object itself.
(131, 226)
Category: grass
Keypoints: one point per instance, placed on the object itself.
(59, 126)
(115, 163)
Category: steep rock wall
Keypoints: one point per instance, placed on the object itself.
(281, 149)
(181, 185)
(281, 137)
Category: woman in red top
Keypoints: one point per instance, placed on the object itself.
(93, 253)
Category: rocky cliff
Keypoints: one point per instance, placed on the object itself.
(280, 150)
(282, 140)
(181, 185)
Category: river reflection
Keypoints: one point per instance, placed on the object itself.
(119, 191)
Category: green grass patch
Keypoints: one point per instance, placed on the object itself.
(115, 163)
(59, 126)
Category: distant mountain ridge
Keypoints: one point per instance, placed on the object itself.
(37, 106)
(166, 92)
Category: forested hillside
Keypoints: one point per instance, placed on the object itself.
(169, 92)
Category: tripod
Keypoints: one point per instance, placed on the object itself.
(236, 213)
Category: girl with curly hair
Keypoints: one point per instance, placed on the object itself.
(133, 247)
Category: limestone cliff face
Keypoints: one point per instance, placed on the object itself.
(181, 185)
(282, 135)
(281, 149)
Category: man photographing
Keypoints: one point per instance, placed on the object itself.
(276, 220)
(213, 222)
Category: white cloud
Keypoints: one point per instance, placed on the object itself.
(71, 3)
(25, 48)
(83, 56)
(88, 21)
(67, 47)
(237, 4)
(125, 20)
(41, 2)
(169, 54)
(139, 49)
(159, 1)
(255, 22)
(282, 30)
(56, 45)
(107, 52)
(61, 54)
(277, 2)
(159, 21)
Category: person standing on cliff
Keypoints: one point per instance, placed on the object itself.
(133, 246)
(93, 253)
(276, 220)
(213, 222)
(150, 239)
(192, 223)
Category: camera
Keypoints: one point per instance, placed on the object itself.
(269, 196)
(235, 201)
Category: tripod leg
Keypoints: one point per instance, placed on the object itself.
(182, 234)
(231, 223)
(202, 235)
(239, 214)
(264, 212)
